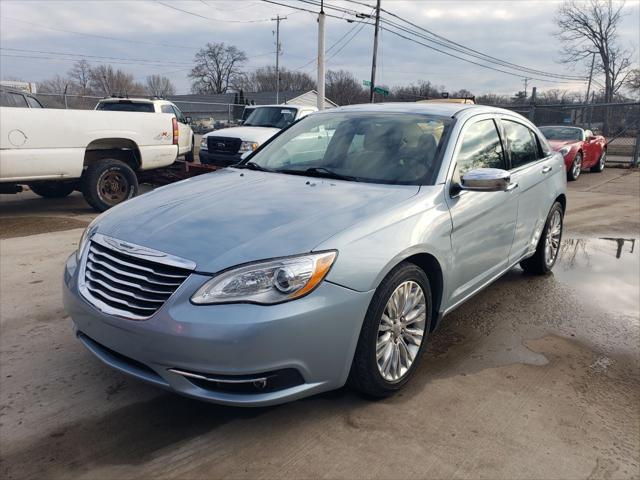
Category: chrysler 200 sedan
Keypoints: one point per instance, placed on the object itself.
(327, 256)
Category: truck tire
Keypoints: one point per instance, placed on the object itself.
(53, 189)
(191, 155)
(107, 182)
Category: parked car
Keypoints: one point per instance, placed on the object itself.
(186, 138)
(224, 148)
(56, 151)
(11, 97)
(333, 262)
(579, 147)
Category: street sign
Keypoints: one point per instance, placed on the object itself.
(366, 83)
(381, 91)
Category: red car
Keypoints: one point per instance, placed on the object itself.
(580, 148)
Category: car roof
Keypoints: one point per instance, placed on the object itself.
(126, 99)
(281, 105)
(435, 108)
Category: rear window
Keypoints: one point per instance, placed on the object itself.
(126, 107)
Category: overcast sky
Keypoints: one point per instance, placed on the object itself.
(144, 37)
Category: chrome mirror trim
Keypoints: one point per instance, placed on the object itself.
(487, 180)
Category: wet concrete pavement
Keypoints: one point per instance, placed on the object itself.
(536, 377)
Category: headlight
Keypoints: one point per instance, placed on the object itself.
(248, 147)
(85, 237)
(203, 143)
(268, 282)
(564, 150)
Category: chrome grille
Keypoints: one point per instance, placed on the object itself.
(126, 284)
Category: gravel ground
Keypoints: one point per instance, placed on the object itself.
(532, 378)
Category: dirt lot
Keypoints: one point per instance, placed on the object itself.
(533, 378)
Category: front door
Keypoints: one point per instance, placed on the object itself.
(483, 223)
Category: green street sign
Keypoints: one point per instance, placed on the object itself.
(366, 83)
(382, 91)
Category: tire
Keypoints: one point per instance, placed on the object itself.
(53, 189)
(366, 373)
(108, 182)
(191, 155)
(576, 168)
(545, 258)
(599, 167)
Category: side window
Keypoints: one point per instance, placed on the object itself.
(481, 148)
(18, 100)
(522, 144)
(167, 109)
(179, 114)
(33, 103)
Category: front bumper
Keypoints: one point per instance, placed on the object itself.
(219, 159)
(314, 336)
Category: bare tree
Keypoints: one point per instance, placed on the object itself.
(634, 82)
(56, 84)
(105, 80)
(588, 28)
(217, 67)
(416, 91)
(343, 88)
(159, 86)
(80, 76)
(264, 80)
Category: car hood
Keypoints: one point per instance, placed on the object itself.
(558, 144)
(233, 216)
(248, 134)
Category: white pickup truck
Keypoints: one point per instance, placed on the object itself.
(55, 151)
(226, 146)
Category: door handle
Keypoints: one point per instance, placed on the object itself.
(511, 186)
(546, 169)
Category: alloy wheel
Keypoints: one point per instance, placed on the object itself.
(552, 239)
(401, 331)
(577, 166)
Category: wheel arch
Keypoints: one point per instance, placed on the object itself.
(431, 267)
(123, 149)
(562, 199)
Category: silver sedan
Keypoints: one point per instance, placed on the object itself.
(327, 256)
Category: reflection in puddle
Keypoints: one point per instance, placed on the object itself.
(604, 270)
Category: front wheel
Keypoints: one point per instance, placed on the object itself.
(394, 332)
(576, 168)
(53, 189)
(599, 167)
(548, 247)
(108, 182)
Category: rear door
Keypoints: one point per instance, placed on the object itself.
(530, 168)
(483, 222)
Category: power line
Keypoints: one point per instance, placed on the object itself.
(210, 18)
(467, 60)
(147, 60)
(103, 37)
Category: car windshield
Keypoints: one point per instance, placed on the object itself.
(276, 117)
(377, 148)
(126, 106)
(561, 133)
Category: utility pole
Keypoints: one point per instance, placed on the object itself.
(277, 20)
(375, 52)
(321, 18)
(593, 62)
(526, 84)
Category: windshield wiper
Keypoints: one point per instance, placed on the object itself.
(319, 172)
(251, 166)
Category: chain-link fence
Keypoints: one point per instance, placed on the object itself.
(618, 122)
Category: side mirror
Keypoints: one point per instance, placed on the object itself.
(487, 180)
(187, 119)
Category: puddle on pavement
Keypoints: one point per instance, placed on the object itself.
(604, 270)
(593, 297)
